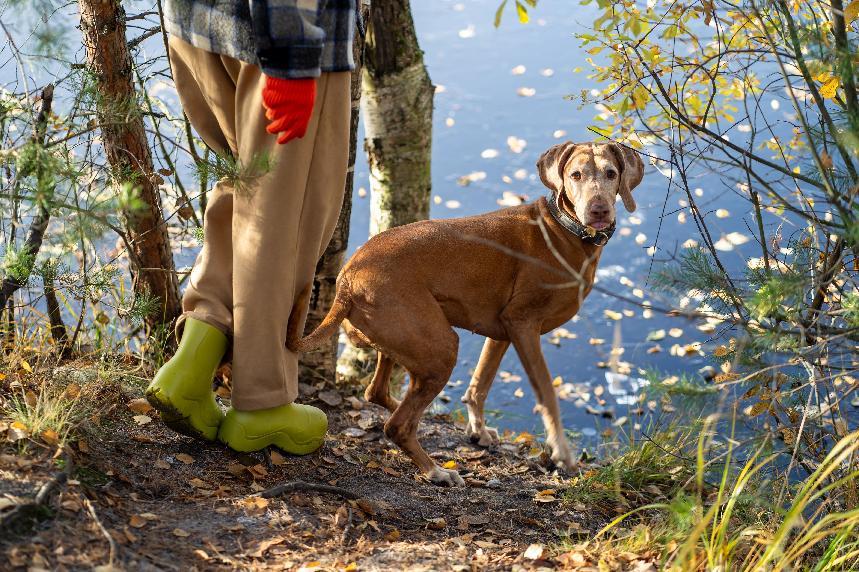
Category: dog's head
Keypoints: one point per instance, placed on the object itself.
(587, 177)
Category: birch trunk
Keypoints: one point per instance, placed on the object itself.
(322, 363)
(397, 105)
(127, 150)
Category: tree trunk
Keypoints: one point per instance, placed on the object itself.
(397, 104)
(322, 363)
(127, 151)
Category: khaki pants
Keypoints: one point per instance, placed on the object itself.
(262, 237)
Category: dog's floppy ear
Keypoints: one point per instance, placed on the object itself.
(631, 172)
(551, 165)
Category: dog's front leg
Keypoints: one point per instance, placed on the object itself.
(478, 389)
(526, 340)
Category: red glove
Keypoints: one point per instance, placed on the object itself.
(288, 104)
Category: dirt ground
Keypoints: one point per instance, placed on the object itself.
(140, 497)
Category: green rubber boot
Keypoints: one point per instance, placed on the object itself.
(294, 428)
(182, 388)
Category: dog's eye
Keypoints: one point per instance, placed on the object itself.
(577, 175)
(611, 174)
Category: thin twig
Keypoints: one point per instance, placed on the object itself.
(112, 553)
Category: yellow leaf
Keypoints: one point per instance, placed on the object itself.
(829, 88)
(2, 376)
(450, 465)
(522, 12)
(851, 12)
(758, 408)
(137, 521)
(50, 437)
(720, 351)
(26, 366)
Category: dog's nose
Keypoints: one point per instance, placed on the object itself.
(598, 211)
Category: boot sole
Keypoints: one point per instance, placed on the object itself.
(281, 441)
(175, 419)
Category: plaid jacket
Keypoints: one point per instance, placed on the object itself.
(286, 38)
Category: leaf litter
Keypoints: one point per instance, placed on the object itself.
(156, 485)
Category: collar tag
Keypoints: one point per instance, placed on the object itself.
(585, 233)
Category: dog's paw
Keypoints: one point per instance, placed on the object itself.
(562, 456)
(484, 437)
(445, 477)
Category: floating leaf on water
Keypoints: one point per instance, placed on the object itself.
(510, 199)
(723, 244)
(520, 174)
(612, 315)
(675, 332)
(526, 91)
(518, 70)
(468, 32)
(516, 144)
(519, 392)
(489, 153)
(722, 213)
(656, 335)
(558, 133)
(452, 204)
(466, 180)
(736, 238)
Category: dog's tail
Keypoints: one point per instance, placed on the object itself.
(329, 326)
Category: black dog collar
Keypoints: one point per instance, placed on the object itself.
(588, 234)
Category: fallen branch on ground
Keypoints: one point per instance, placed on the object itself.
(296, 486)
(29, 510)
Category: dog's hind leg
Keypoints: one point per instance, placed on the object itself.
(378, 391)
(402, 427)
(478, 389)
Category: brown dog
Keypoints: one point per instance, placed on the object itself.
(510, 275)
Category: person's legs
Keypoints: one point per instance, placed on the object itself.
(282, 222)
(263, 235)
